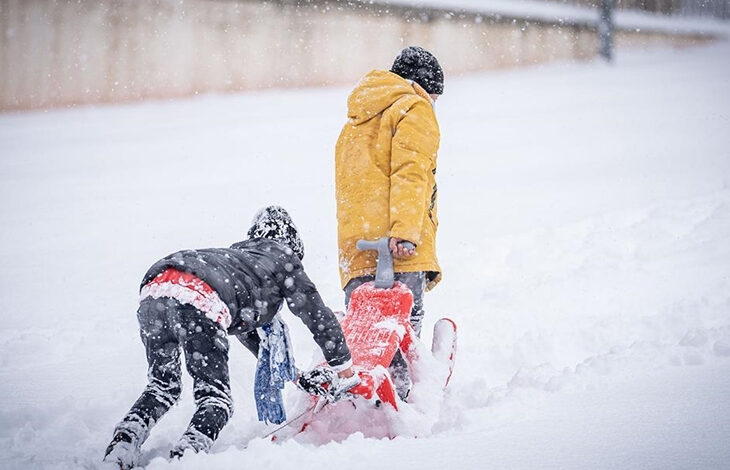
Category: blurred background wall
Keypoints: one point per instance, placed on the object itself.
(63, 52)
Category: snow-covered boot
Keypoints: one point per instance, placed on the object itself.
(192, 440)
(123, 450)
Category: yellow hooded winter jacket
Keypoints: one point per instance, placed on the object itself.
(385, 167)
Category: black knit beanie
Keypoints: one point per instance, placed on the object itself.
(275, 223)
(417, 64)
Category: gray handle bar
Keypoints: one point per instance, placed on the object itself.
(384, 269)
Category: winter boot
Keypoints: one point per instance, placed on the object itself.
(193, 440)
(123, 450)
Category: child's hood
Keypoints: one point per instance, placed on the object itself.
(377, 91)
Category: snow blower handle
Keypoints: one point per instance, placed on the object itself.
(407, 245)
(384, 269)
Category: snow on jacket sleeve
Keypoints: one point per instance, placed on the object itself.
(415, 144)
(305, 302)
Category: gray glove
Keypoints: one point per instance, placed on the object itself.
(324, 382)
(341, 387)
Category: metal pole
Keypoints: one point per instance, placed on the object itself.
(605, 30)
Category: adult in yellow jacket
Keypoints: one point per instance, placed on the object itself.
(385, 171)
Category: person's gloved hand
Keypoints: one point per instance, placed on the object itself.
(325, 382)
(340, 387)
(317, 380)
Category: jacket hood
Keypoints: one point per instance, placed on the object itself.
(376, 92)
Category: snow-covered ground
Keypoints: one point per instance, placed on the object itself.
(585, 227)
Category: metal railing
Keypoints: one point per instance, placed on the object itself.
(707, 8)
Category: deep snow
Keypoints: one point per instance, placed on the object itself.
(585, 219)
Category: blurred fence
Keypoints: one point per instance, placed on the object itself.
(711, 8)
(716, 8)
(59, 53)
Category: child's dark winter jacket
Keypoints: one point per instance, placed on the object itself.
(253, 278)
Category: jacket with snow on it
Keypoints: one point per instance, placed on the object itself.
(253, 278)
(385, 175)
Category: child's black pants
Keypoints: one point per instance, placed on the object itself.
(166, 326)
